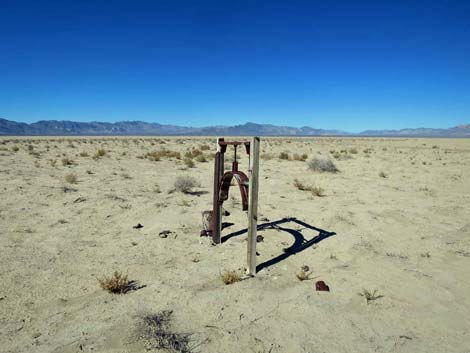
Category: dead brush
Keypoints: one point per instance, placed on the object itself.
(67, 161)
(158, 155)
(382, 174)
(155, 330)
(100, 152)
(322, 165)
(71, 178)
(370, 296)
(117, 283)
(230, 277)
(300, 157)
(185, 184)
(315, 190)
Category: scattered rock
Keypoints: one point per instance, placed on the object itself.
(259, 238)
(164, 233)
(321, 286)
(138, 226)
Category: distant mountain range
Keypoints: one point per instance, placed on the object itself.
(123, 128)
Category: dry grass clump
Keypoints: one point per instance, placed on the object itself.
(193, 153)
(204, 147)
(157, 155)
(15, 148)
(100, 152)
(83, 154)
(230, 277)
(315, 190)
(71, 178)
(185, 184)
(301, 186)
(266, 156)
(189, 163)
(67, 161)
(117, 283)
(322, 165)
(201, 158)
(300, 157)
(284, 155)
(383, 174)
(155, 330)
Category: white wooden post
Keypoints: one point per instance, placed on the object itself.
(253, 174)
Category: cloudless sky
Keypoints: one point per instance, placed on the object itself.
(349, 65)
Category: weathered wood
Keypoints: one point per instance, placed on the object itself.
(217, 211)
(253, 175)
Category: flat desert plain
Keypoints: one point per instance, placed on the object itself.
(389, 233)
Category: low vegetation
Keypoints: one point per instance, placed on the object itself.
(155, 330)
(315, 190)
(117, 283)
(322, 165)
(370, 296)
(185, 184)
(230, 277)
(71, 178)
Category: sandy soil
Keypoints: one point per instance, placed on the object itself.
(399, 210)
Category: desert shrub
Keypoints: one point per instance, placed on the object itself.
(201, 158)
(83, 154)
(117, 283)
(315, 190)
(322, 165)
(353, 150)
(71, 178)
(185, 184)
(301, 186)
(156, 332)
(193, 153)
(204, 147)
(230, 277)
(100, 152)
(157, 155)
(189, 163)
(266, 156)
(283, 155)
(300, 157)
(66, 161)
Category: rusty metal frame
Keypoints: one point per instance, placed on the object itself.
(222, 183)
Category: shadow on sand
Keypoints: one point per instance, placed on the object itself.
(300, 243)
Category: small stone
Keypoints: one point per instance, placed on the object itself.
(164, 233)
(138, 226)
(259, 238)
(322, 286)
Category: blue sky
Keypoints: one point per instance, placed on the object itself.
(349, 65)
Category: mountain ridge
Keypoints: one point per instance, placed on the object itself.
(131, 127)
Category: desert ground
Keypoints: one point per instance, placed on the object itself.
(396, 255)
